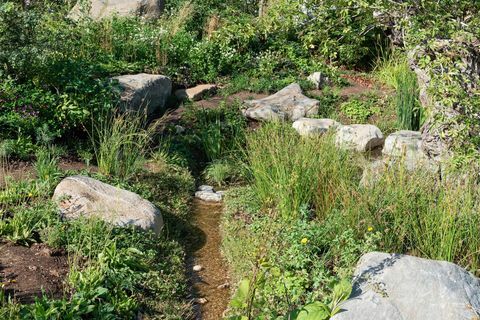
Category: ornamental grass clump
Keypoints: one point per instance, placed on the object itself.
(120, 141)
(290, 171)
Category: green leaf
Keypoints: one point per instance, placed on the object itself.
(240, 298)
(312, 311)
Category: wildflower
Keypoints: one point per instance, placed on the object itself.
(30, 195)
(304, 241)
(370, 229)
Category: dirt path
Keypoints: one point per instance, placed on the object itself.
(211, 282)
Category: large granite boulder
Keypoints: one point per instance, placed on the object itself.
(99, 9)
(80, 196)
(406, 146)
(312, 127)
(145, 93)
(400, 287)
(359, 137)
(287, 104)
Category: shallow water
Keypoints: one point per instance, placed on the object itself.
(207, 253)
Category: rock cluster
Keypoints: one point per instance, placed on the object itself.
(208, 194)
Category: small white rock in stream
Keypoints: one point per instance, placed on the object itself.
(201, 300)
(226, 285)
(312, 127)
(208, 194)
(197, 268)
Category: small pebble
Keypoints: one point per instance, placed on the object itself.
(201, 300)
(224, 286)
(197, 268)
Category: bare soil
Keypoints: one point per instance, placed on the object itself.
(28, 273)
(212, 282)
(22, 170)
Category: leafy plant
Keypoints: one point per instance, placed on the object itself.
(359, 110)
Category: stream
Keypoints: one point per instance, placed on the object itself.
(212, 281)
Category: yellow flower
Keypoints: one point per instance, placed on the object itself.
(370, 229)
(304, 241)
(30, 195)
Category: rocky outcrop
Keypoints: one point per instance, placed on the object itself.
(196, 93)
(359, 137)
(453, 119)
(144, 93)
(399, 287)
(312, 127)
(287, 104)
(80, 196)
(99, 9)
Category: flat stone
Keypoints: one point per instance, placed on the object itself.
(80, 196)
(99, 9)
(312, 127)
(209, 196)
(197, 268)
(287, 104)
(359, 137)
(206, 188)
(400, 287)
(145, 93)
(196, 93)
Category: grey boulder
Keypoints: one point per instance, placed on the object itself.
(401, 287)
(80, 196)
(144, 93)
(318, 79)
(99, 9)
(312, 127)
(287, 104)
(359, 137)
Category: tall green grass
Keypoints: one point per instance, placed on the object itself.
(120, 142)
(393, 70)
(289, 171)
(409, 110)
(415, 212)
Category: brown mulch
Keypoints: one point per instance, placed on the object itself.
(27, 273)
